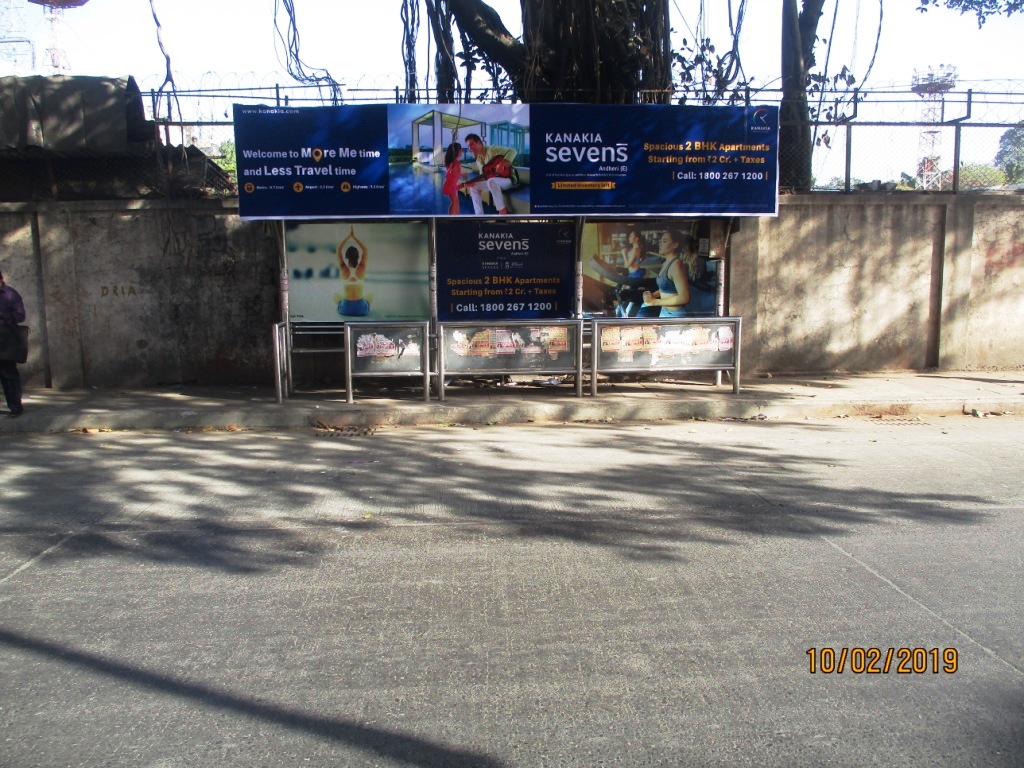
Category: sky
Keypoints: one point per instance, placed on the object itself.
(232, 39)
(229, 43)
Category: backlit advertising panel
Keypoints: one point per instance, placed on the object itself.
(460, 160)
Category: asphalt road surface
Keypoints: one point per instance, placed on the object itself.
(824, 593)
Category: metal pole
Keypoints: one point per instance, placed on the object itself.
(282, 264)
(580, 222)
(579, 358)
(720, 303)
(440, 362)
(277, 364)
(425, 359)
(737, 341)
(849, 155)
(349, 396)
(957, 137)
(432, 295)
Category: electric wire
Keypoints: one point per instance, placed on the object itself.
(293, 62)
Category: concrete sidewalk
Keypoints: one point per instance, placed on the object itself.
(395, 402)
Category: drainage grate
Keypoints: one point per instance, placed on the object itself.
(904, 420)
(345, 430)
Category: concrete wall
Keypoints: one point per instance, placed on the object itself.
(139, 293)
(992, 293)
(881, 282)
(122, 294)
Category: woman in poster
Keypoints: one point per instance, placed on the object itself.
(352, 258)
(633, 254)
(673, 294)
(452, 176)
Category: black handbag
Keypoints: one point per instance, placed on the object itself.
(13, 343)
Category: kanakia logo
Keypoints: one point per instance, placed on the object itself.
(759, 121)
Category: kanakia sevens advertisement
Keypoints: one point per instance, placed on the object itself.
(505, 269)
(654, 159)
(405, 160)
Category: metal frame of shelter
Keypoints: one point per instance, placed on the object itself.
(583, 335)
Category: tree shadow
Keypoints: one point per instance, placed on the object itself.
(976, 377)
(246, 504)
(255, 502)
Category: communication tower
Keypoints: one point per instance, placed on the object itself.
(53, 15)
(932, 87)
(17, 51)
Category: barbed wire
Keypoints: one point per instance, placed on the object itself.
(877, 144)
(209, 97)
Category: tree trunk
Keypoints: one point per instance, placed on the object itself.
(445, 73)
(795, 146)
(589, 51)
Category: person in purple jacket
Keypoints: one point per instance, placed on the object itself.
(12, 312)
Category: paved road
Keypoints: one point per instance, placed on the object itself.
(588, 595)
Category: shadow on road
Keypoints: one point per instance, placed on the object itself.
(384, 743)
(255, 502)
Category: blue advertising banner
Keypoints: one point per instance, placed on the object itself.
(320, 162)
(505, 269)
(415, 160)
(654, 159)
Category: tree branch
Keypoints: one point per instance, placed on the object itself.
(484, 27)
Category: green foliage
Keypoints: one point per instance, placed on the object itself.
(972, 176)
(399, 155)
(981, 8)
(907, 183)
(839, 182)
(227, 156)
(975, 176)
(1010, 156)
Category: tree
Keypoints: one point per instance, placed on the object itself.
(594, 51)
(619, 52)
(799, 36)
(975, 176)
(227, 156)
(1010, 155)
(980, 8)
(616, 52)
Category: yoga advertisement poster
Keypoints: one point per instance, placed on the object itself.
(347, 271)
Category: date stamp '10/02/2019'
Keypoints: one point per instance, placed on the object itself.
(880, 661)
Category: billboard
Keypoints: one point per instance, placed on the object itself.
(621, 260)
(641, 345)
(505, 269)
(654, 159)
(357, 271)
(401, 160)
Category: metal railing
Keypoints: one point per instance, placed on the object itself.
(875, 140)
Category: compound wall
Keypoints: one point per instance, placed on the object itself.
(126, 294)
(881, 282)
(141, 293)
